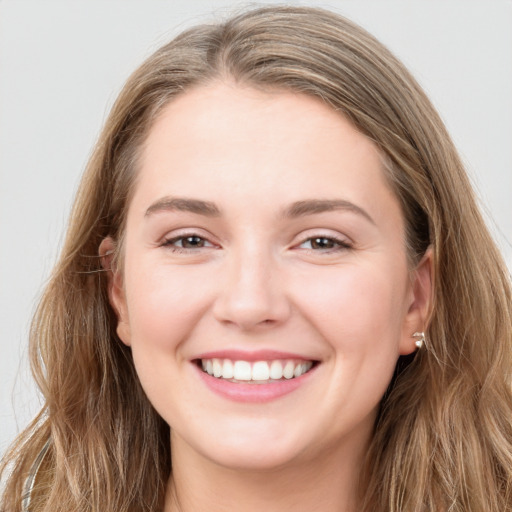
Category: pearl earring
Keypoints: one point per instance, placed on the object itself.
(421, 339)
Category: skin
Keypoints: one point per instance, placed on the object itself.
(333, 286)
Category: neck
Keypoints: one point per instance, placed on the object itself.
(327, 484)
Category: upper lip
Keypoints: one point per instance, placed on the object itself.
(257, 355)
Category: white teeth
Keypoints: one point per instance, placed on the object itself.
(259, 371)
(288, 370)
(305, 367)
(276, 370)
(227, 369)
(301, 369)
(217, 368)
(242, 370)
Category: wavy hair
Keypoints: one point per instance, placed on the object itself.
(443, 437)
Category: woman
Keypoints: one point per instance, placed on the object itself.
(275, 281)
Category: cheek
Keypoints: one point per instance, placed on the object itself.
(164, 304)
(357, 309)
(164, 307)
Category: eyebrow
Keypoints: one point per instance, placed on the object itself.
(312, 206)
(297, 209)
(183, 204)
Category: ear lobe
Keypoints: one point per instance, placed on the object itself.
(116, 294)
(420, 308)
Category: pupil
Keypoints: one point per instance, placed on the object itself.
(322, 243)
(192, 241)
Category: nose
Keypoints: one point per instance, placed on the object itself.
(252, 292)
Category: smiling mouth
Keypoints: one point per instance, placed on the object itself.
(257, 372)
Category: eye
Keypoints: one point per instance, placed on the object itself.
(188, 242)
(324, 243)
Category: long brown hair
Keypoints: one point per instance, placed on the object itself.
(443, 439)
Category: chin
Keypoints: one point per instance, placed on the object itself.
(261, 448)
(253, 458)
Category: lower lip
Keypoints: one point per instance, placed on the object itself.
(255, 393)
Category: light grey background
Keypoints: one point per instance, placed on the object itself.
(62, 63)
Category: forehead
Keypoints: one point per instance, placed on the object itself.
(224, 138)
(230, 113)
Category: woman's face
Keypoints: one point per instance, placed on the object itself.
(264, 245)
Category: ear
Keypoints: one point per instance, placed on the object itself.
(116, 292)
(420, 304)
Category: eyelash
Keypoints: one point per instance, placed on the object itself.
(338, 244)
(169, 243)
